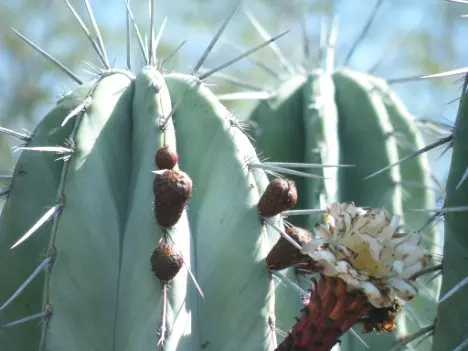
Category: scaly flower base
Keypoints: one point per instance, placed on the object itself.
(330, 312)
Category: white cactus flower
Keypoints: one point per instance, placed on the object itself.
(364, 249)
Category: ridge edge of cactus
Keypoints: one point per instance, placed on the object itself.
(451, 322)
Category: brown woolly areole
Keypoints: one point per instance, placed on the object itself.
(166, 262)
(171, 190)
(165, 158)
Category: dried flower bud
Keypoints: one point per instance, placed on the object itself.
(284, 254)
(166, 262)
(279, 196)
(381, 319)
(171, 190)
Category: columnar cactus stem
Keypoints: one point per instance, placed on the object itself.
(452, 322)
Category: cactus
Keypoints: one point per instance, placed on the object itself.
(154, 220)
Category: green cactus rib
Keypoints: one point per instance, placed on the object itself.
(418, 195)
(362, 113)
(279, 136)
(229, 241)
(99, 291)
(140, 294)
(33, 192)
(321, 144)
(365, 138)
(415, 174)
(282, 121)
(452, 321)
(82, 284)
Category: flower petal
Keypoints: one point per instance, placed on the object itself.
(322, 231)
(323, 255)
(398, 266)
(409, 253)
(388, 231)
(413, 238)
(374, 295)
(345, 252)
(368, 251)
(403, 289)
(334, 209)
(408, 272)
(350, 208)
(311, 246)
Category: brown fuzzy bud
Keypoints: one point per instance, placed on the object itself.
(171, 190)
(166, 158)
(279, 196)
(284, 254)
(367, 326)
(166, 262)
(381, 319)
